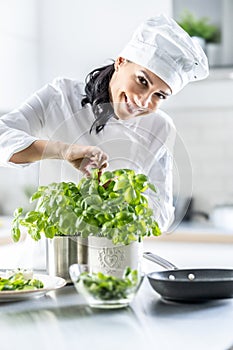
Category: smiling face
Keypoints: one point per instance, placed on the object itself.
(134, 90)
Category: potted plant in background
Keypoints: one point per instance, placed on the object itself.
(206, 33)
(101, 220)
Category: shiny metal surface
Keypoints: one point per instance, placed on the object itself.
(61, 252)
(62, 320)
(160, 261)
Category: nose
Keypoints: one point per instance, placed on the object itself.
(146, 101)
(142, 101)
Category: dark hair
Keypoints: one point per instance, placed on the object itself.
(97, 94)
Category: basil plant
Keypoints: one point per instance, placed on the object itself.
(110, 205)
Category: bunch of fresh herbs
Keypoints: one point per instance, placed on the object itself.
(110, 205)
(200, 27)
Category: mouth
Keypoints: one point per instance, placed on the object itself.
(132, 108)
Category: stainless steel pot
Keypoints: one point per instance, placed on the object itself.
(61, 252)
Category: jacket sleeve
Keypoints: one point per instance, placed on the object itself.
(159, 167)
(21, 127)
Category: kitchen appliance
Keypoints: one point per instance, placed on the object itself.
(189, 285)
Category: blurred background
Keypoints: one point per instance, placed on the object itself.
(44, 39)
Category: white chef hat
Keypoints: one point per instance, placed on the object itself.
(163, 47)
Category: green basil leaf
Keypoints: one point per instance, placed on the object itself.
(92, 200)
(121, 184)
(130, 195)
(15, 233)
(140, 178)
(152, 187)
(105, 177)
(50, 231)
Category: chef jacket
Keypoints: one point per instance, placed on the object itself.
(55, 113)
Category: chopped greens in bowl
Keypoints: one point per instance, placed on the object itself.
(104, 290)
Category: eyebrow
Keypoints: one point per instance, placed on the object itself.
(148, 78)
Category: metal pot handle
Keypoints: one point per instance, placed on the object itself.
(160, 261)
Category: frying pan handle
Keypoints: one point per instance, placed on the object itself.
(160, 261)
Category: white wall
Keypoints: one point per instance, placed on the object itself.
(18, 51)
(77, 36)
(18, 79)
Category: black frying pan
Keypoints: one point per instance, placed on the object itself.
(190, 284)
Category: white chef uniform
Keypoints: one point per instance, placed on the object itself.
(55, 113)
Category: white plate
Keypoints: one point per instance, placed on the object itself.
(50, 283)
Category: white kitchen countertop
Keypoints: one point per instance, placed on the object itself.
(61, 320)
(195, 231)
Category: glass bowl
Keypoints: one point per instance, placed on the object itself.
(106, 291)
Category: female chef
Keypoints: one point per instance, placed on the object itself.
(113, 118)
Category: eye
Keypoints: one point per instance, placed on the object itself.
(142, 81)
(160, 96)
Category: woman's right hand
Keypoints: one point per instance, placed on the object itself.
(84, 158)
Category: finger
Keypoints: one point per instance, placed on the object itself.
(105, 165)
(98, 155)
(95, 163)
